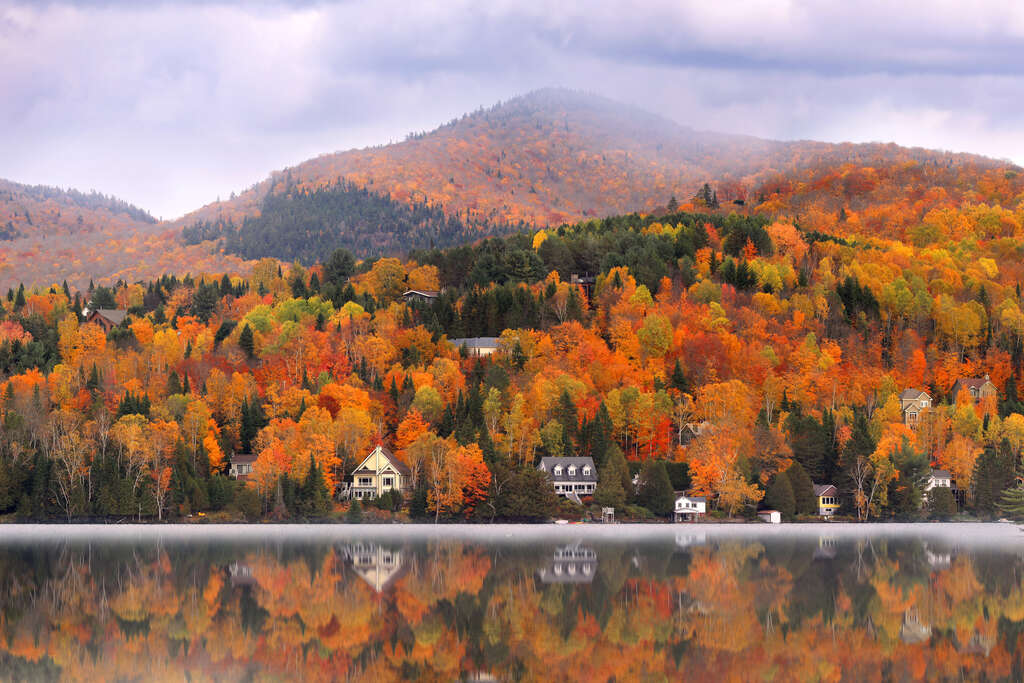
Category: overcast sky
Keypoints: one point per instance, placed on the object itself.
(170, 105)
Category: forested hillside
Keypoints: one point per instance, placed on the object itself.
(303, 225)
(741, 355)
(49, 235)
(538, 160)
(557, 155)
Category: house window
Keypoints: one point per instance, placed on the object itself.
(365, 481)
(558, 470)
(572, 470)
(586, 470)
(389, 482)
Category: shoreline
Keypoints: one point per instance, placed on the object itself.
(962, 533)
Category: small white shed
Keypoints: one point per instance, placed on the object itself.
(770, 516)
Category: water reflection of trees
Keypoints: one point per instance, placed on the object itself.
(809, 609)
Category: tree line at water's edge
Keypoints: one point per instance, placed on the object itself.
(733, 356)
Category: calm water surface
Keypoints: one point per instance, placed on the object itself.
(624, 603)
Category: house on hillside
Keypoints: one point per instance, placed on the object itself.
(913, 402)
(586, 282)
(421, 295)
(379, 472)
(979, 388)
(938, 479)
(828, 499)
(243, 466)
(477, 347)
(571, 477)
(107, 318)
(690, 508)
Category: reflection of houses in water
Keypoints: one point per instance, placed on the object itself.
(979, 644)
(914, 630)
(378, 566)
(938, 559)
(571, 564)
(241, 574)
(826, 549)
(684, 540)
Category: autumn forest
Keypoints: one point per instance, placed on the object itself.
(742, 338)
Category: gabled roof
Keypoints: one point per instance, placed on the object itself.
(973, 382)
(548, 465)
(429, 293)
(941, 474)
(824, 489)
(243, 458)
(476, 342)
(696, 499)
(913, 395)
(113, 315)
(378, 458)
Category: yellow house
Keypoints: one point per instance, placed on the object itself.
(381, 471)
(828, 499)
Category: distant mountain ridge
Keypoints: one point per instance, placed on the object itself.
(548, 157)
(555, 156)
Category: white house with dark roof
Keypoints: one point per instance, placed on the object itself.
(938, 479)
(913, 403)
(379, 472)
(571, 477)
(690, 508)
(423, 295)
(477, 347)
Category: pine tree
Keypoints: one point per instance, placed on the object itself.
(246, 341)
(806, 503)
(655, 489)
(779, 496)
(566, 414)
(174, 384)
(942, 504)
(355, 512)
(993, 474)
(678, 380)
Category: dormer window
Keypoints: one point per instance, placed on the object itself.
(586, 470)
(558, 470)
(572, 470)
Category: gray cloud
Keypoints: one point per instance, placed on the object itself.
(171, 105)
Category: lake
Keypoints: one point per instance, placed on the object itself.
(532, 603)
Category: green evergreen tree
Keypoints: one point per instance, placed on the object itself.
(942, 504)
(609, 491)
(314, 496)
(654, 490)
(174, 384)
(806, 503)
(906, 491)
(355, 512)
(779, 496)
(418, 501)
(993, 474)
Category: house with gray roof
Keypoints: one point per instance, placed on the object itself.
(477, 347)
(571, 477)
(107, 318)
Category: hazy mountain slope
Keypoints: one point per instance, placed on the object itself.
(48, 234)
(555, 155)
(548, 157)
